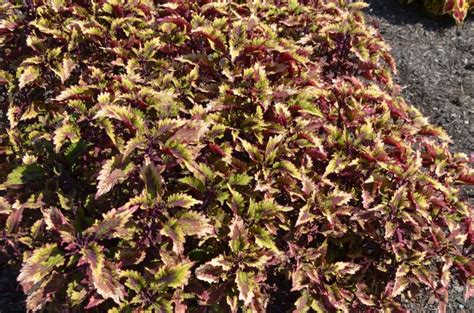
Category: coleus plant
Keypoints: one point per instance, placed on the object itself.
(220, 156)
(458, 9)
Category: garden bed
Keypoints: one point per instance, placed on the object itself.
(435, 63)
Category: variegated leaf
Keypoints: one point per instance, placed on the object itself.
(104, 274)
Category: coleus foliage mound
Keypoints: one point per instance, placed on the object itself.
(220, 155)
(458, 9)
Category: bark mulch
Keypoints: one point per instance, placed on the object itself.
(435, 60)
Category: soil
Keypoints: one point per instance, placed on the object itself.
(12, 299)
(435, 62)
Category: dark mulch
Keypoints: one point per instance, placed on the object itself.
(436, 70)
(435, 62)
(12, 299)
(436, 65)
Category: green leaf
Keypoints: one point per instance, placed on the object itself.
(181, 200)
(425, 277)
(264, 239)
(246, 285)
(271, 151)
(265, 209)
(66, 131)
(72, 92)
(338, 198)
(76, 293)
(64, 69)
(193, 182)
(5, 206)
(337, 163)
(39, 265)
(357, 5)
(75, 150)
(52, 54)
(188, 223)
(150, 47)
(112, 224)
(136, 143)
(194, 223)
(173, 276)
(293, 5)
(317, 306)
(161, 305)
(5, 77)
(135, 280)
(240, 179)
(132, 118)
(45, 26)
(57, 4)
(237, 201)
(23, 174)
(291, 169)
(344, 268)
(171, 230)
(190, 133)
(67, 67)
(399, 198)
(253, 151)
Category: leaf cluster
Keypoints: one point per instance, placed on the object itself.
(163, 156)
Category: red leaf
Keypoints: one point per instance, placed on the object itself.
(7, 27)
(391, 141)
(216, 149)
(315, 153)
(178, 21)
(449, 6)
(396, 112)
(467, 178)
(93, 302)
(14, 220)
(219, 44)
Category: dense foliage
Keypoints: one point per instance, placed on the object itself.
(178, 155)
(458, 9)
